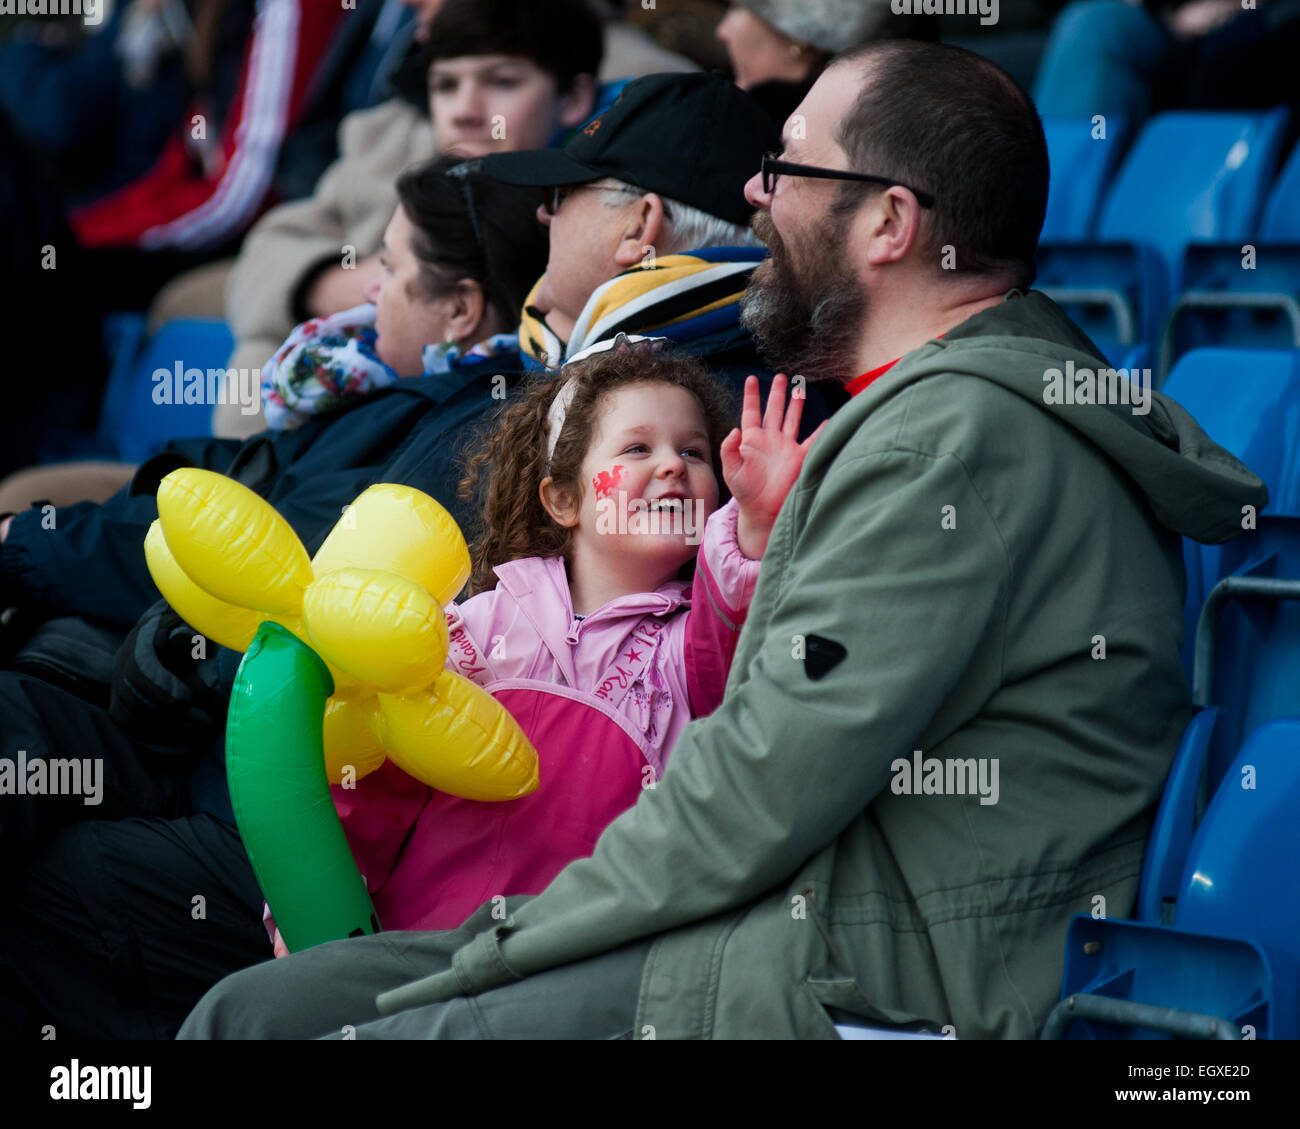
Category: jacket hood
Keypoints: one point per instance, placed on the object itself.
(1030, 347)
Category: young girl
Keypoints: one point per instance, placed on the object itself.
(586, 629)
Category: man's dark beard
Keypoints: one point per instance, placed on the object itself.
(806, 322)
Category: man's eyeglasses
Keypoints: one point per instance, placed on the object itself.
(774, 167)
(556, 196)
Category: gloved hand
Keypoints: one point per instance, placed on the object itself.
(162, 692)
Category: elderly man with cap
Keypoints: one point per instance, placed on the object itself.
(649, 227)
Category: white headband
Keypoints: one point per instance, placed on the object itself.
(564, 397)
(555, 416)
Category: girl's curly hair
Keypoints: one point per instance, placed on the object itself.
(515, 524)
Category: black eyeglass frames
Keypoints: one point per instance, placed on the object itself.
(773, 167)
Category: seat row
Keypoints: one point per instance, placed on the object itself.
(1213, 950)
(1190, 236)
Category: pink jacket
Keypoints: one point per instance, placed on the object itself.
(603, 701)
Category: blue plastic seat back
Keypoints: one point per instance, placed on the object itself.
(1247, 401)
(1265, 265)
(1233, 948)
(1082, 163)
(1281, 222)
(1189, 176)
(1132, 272)
(1223, 266)
(1193, 175)
(1175, 823)
(1216, 274)
(168, 390)
(1243, 871)
(1257, 655)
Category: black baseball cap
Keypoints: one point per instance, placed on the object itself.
(696, 138)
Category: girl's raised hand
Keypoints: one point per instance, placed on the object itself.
(762, 458)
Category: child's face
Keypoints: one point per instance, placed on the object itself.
(647, 481)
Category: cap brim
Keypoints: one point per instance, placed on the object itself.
(540, 168)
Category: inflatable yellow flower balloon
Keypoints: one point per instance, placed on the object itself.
(370, 605)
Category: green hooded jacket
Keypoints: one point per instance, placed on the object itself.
(948, 721)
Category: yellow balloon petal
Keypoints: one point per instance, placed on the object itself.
(349, 738)
(231, 543)
(381, 628)
(399, 529)
(224, 623)
(456, 737)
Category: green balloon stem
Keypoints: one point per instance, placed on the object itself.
(275, 767)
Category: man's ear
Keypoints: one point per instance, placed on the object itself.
(579, 103)
(644, 233)
(892, 226)
(467, 310)
(558, 502)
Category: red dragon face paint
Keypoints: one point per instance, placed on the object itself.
(607, 481)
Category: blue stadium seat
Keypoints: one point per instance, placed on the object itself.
(1245, 294)
(1247, 647)
(142, 411)
(1215, 941)
(1248, 402)
(1175, 823)
(1231, 957)
(1188, 176)
(1082, 164)
(1282, 214)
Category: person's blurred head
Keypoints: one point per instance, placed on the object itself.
(934, 121)
(760, 52)
(510, 74)
(459, 256)
(659, 173)
(793, 40)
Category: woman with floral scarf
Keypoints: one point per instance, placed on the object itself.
(458, 259)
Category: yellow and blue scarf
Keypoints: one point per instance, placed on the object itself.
(681, 297)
